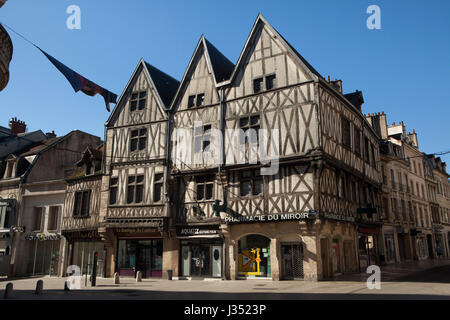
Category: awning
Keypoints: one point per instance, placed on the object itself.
(368, 230)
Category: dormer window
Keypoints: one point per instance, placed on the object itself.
(88, 168)
(269, 81)
(10, 169)
(138, 101)
(196, 100)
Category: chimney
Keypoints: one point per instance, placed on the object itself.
(50, 135)
(336, 84)
(379, 124)
(17, 126)
(412, 138)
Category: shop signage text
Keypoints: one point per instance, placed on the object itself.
(43, 237)
(269, 218)
(196, 231)
(339, 217)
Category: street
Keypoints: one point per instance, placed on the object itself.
(433, 283)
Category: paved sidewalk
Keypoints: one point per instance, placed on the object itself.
(396, 271)
(422, 283)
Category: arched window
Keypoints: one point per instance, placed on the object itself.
(254, 256)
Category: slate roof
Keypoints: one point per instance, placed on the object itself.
(356, 98)
(36, 149)
(165, 84)
(222, 67)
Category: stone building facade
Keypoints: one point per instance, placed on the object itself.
(6, 52)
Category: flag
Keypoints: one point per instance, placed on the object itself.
(79, 82)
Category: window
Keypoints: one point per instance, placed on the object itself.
(250, 125)
(205, 187)
(345, 125)
(423, 192)
(200, 99)
(271, 82)
(191, 101)
(138, 101)
(196, 100)
(366, 149)
(251, 183)
(372, 151)
(138, 140)
(392, 179)
(158, 187)
(257, 85)
(82, 203)
(4, 217)
(113, 185)
(202, 138)
(135, 189)
(357, 141)
(37, 219)
(53, 217)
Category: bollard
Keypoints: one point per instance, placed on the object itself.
(39, 287)
(169, 274)
(139, 276)
(66, 286)
(8, 291)
(116, 278)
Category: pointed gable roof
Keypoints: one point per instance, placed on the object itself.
(220, 66)
(165, 87)
(164, 84)
(260, 20)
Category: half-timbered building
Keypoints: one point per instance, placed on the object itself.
(297, 173)
(134, 208)
(80, 221)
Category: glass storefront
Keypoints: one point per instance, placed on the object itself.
(367, 250)
(254, 257)
(201, 258)
(83, 256)
(140, 255)
(43, 258)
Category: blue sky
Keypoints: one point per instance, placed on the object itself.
(403, 69)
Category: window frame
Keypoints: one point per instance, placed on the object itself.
(80, 203)
(138, 138)
(135, 185)
(138, 100)
(346, 134)
(160, 184)
(253, 178)
(203, 183)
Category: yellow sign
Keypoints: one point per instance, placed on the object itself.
(249, 261)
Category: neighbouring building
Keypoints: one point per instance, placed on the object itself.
(134, 206)
(36, 183)
(438, 193)
(80, 220)
(13, 141)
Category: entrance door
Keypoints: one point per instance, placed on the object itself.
(324, 252)
(217, 261)
(143, 258)
(292, 260)
(201, 261)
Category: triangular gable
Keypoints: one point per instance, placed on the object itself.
(163, 86)
(257, 28)
(218, 66)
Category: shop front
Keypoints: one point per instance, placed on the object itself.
(368, 247)
(254, 257)
(43, 254)
(201, 253)
(441, 250)
(143, 254)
